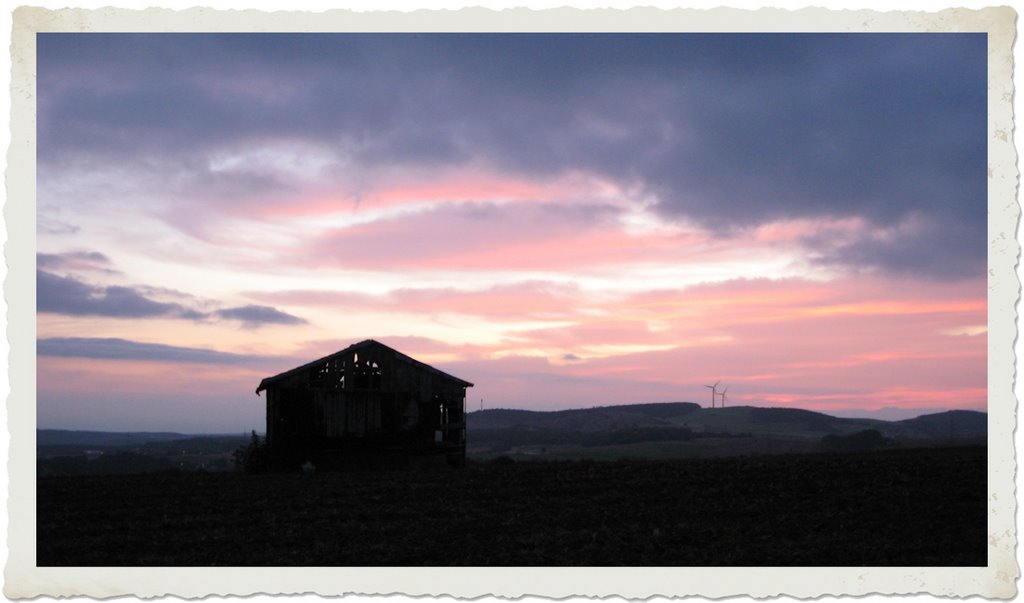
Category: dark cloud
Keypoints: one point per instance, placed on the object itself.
(729, 130)
(72, 297)
(254, 316)
(922, 246)
(80, 260)
(124, 349)
(55, 227)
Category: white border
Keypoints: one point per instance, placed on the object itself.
(997, 580)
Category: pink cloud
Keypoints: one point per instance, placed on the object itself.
(804, 343)
(839, 345)
(475, 236)
(400, 187)
(846, 344)
(516, 301)
(801, 229)
(71, 375)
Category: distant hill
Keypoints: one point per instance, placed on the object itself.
(61, 452)
(949, 424)
(584, 419)
(61, 437)
(655, 431)
(685, 429)
(962, 423)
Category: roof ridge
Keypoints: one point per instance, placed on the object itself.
(362, 344)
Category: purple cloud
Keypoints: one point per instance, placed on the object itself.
(254, 316)
(69, 296)
(66, 295)
(727, 130)
(74, 260)
(124, 349)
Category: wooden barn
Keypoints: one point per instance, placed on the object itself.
(367, 399)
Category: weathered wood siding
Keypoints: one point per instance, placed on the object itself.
(338, 414)
(372, 394)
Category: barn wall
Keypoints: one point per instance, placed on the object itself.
(272, 410)
(339, 414)
(380, 398)
(291, 411)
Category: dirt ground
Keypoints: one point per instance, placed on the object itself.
(922, 507)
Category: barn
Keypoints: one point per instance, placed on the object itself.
(366, 400)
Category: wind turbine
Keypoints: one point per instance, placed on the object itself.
(714, 391)
(723, 395)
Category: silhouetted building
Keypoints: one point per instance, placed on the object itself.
(364, 401)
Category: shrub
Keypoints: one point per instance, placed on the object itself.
(253, 457)
(501, 461)
(868, 439)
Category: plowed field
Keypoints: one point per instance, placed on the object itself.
(909, 507)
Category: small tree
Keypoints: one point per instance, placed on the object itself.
(253, 457)
(868, 439)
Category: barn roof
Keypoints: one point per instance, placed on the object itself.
(355, 348)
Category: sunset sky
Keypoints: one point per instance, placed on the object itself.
(564, 220)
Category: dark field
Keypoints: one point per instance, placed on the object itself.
(908, 507)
